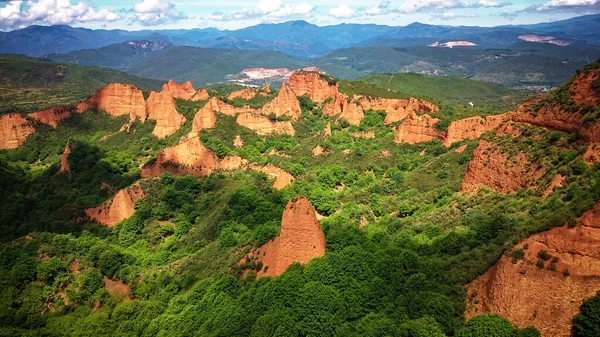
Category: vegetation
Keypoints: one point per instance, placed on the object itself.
(587, 323)
(30, 84)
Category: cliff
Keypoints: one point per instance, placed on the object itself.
(543, 297)
(161, 107)
(344, 107)
(52, 116)
(301, 239)
(64, 159)
(496, 170)
(117, 209)
(472, 128)
(14, 129)
(313, 85)
(205, 118)
(284, 104)
(418, 129)
(117, 99)
(183, 91)
(262, 125)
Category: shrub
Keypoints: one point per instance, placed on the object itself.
(544, 255)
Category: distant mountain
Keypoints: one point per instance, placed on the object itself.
(299, 39)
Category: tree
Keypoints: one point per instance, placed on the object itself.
(587, 323)
(487, 325)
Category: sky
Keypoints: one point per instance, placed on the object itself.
(236, 14)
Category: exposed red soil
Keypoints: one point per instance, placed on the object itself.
(183, 91)
(461, 149)
(558, 181)
(117, 99)
(262, 125)
(64, 159)
(318, 151)
(14, 129)
(327, 131)
(499, 171)
(246, 93)
(282, 178)
(545, 298)
(472, 128)
(312, 84)
(161, 107)
(117, 209)
(117, 288)
(52, 116)
(205, 118)
(284, 104)
(345, 108)
(364, 134)
(301, 239)
(592, 155)
(201, 95)
(418, 129)
(238, 142)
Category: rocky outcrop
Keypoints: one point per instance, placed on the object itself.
(549, 297)
(345, 108)
(246, 93)
(117, 99)
(262, 125)
(472, 128)
(418, 129)
(282, 178)
(205, 118)
(397, 109)
(201, 95)
(64, 159)
(14, 129)
(592, 155)
(301, 239)
(327, 131)
(499, 171)
(161, 107)
(558, 181)
(183, 91)
(191, 157)
(117, 209)
(284, 104)
(313, 85)
(364, 134)
(216, 105)
(52, 116)
(238, 142)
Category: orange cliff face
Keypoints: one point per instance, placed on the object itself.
(205, 118)
(201, 95)
(397, 109)
(52, 116)
(183, 91)
(418, 129)
(472, 128)
(161, 107)
(117, 209)
(284, 104)
(282, 178)
(14, 129)
(246, 93)
(543, 297)
(301, 239)
(117, 99)
(496, 170)
(312, 84)
(262, 125)
(344, 107)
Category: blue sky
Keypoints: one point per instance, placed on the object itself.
(234, 14)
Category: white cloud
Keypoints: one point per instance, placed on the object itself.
(411, 6)
(381, 9)
(52, 12)
(156, 12)
(566, 4)
(341, 11)
(266, 10)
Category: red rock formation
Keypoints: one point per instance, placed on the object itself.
(397, 109)
(201, 95)
(313, 84)
(264, 126)
(216, 105)
(318, 150)
(284, 104)
(64, 159)
(238, 142)
(301, 239)
(52, 116)
(418, 129)
(246, 93)
(161, 107)
(527, 295)
(117, 209)
(205, 118)
(117, 99)
(364, 134)
(183, 91)
(344, 107)
(282, 178)
(327, 131)
(496, 170)
(592, 155)
(190, 156)
(14, 129)
(472, 127)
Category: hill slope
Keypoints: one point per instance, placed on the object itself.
(29, 84)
